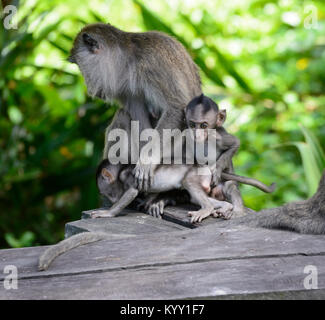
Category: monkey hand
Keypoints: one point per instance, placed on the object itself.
(156, 209)
(143, 174)
(216, 175)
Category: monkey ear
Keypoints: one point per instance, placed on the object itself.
(90, 43)
(107, 175)
(221, 117)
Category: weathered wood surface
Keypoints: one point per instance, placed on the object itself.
(130, 223)
(211, 279)
(208, 262)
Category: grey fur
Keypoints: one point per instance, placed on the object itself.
(65, 245)
(150, 73)
(306, 216)
(250, 181)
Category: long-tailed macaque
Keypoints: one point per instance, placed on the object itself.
(203, 113)
(150, 73)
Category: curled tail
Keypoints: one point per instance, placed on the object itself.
(253, 182)
(65, 245)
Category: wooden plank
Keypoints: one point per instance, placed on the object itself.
(179, 215)
(212, 279)
(203, 244)
(129, 223)
(176, 214)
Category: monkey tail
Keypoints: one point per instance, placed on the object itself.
(65, 245)
(250, 181)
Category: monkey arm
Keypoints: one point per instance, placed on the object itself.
(172, 118)
(230, 145)
(117, 207)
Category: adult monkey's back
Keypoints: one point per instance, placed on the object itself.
(150, 73)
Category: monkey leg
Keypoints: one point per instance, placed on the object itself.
(222, 209)
(198, 196)
(117, 207)
(232, 194)
(144, 203)
(152, 206)
(217, 192)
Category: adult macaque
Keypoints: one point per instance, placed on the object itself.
(150, 73)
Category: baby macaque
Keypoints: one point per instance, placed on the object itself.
(202, 113)
(119, 185)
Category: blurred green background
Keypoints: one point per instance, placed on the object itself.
(264, 61)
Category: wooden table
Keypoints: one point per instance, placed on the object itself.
(149, 258)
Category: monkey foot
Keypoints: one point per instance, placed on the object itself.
(101, 214)
(223, 215)
(156, 209)
(198, 216)
(238, 213)
(225, 212)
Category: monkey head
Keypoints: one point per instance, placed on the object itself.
(96, 51)
(108, 182)
(203, 113)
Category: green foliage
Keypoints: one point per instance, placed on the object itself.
(313, 159)
(257, 60)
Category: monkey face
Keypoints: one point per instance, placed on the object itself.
(108, 183)
(199, 122)
(203, 113)
(96, 52)
(109, 187)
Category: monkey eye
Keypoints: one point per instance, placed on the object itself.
(192, 124)
(203, 125)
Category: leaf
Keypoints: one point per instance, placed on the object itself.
(228, 66)
(96, 16)
(25, 240)
(311, 170)
(211, 74)
(153, 23)
(315, 147)
(54, 44)
(224, 62)
(46, 31)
